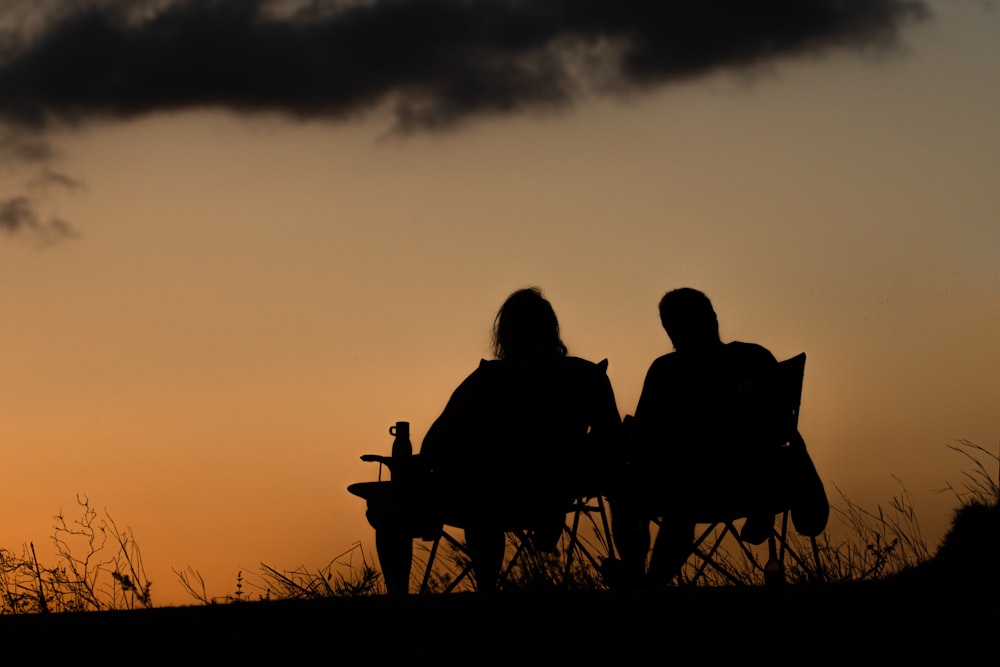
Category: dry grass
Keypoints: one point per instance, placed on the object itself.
(348, 574)
(98, 568)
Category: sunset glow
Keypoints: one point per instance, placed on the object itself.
(245, 303)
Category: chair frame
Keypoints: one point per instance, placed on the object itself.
(715, 532)
(575, 545)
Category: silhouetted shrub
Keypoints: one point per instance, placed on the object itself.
(98, 567)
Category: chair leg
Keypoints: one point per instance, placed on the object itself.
(815, 570)
(523, 545)
(573, 538)
(430, 565)
(466, 570)
(606, 525)
(820, 576)
(576, 543)
(708, 559)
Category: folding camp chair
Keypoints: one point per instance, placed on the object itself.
(586, 536)
(585, 513)
(708, 549)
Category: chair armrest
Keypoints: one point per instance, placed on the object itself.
(414, 464)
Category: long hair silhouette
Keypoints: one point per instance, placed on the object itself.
(526, 328)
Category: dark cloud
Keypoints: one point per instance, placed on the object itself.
(437, 62)
(19, 215)
(48, 178)
(23, 147)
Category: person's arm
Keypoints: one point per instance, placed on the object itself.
(648, 412)
(446, 432)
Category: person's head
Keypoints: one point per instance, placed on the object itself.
(689, 319)
(526, 328)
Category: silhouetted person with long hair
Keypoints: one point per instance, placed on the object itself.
(521, 435)
(519, 438)
(705, 435)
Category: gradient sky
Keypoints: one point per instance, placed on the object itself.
(211, 310)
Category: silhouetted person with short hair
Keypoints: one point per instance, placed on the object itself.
(518, 440)
(704, 439)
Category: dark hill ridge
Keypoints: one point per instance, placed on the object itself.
(972, 544)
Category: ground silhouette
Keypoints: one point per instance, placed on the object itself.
(945, 610)
(909, 620)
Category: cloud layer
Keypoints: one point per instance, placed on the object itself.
(437, 62)
(434, 63)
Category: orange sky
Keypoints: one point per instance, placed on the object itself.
(252, 302)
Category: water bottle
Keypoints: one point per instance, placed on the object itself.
(401, 447)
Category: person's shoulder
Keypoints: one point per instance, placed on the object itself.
(485, 369)
(489, 377)
(665, 361)
(491, 369)
(750, 351)
(749, 348)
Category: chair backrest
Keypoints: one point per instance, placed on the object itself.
(791, 373)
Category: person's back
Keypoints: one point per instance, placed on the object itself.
(518, 439)
(706, 420)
